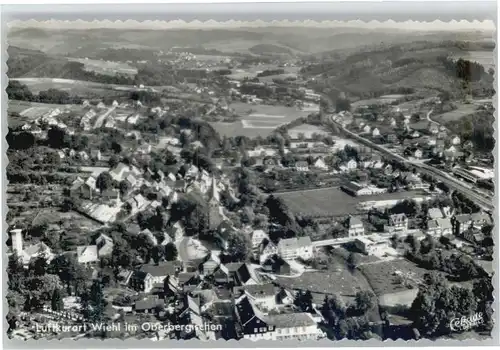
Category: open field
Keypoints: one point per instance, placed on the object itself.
(307, 129)
(333, 201)
(258, 119)
(384, 279)
(251, 72)
(106, 67)
(462, 110)
(73, 87)
(321, 283)
(386, 99)
(28, 111)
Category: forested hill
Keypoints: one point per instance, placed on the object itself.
(402, 69)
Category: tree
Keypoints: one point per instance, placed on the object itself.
(170, 252)
(124, 187)
(157, 253)
(238, 246)
(56, 137)
(113, 161)
(365, 300)
(38, 265)
(57, 301)
(104, 181)
(436, 304)
(96, 301)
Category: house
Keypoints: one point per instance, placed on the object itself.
(439, 227)
(104, 245)
(319, 163)
(255, 325)
(87, 255)
(210, 265)
(145, 278)
(349, 166)
(367, 129)
(95, 154)
(257, 237)
(275, 264)
(262, 296)
(433, 128)
(376, 132)
(355, 189)
(439, 213)
(392, 122)
(266, 249)
(392, 138)
(301, 165)
(83, 155)
(473, 236)
(464, 222)
(31, 252)
(397, 223)
(221, 275)
(455, 140)
(148, 305)
(354, 226)
(293, 248)
(245, 275)
(372, 245)
(417, 153)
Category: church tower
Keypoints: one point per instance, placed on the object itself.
(17, 241)
(214, 217)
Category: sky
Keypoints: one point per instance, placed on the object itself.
(486, 25)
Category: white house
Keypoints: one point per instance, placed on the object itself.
(355, 226)
(302, 166)
(257, 237)
(87, 254)
(397, 222)
(367, 129)
(320, 163)
(292, 248)
(256, 325)
(262, 296)
(375, 132)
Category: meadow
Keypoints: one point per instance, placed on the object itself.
(106, 67)
(257, 119)
(462, 110)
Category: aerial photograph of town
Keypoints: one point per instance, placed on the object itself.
(267, 182)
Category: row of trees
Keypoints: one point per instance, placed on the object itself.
(17, 91)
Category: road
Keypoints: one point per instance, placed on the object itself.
(450, 181)
(100, 120)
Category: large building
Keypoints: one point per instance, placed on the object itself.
(293, 248)
(256, 325)
(397, 223)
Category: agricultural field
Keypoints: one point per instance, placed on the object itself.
(333, 201)
(307, 130)
(462, 110)
(106, 67)
(251, 72)
(73, 87)
(257, 119)
(21, 112)
(386, 99)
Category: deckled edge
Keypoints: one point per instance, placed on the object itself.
(136, 343)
